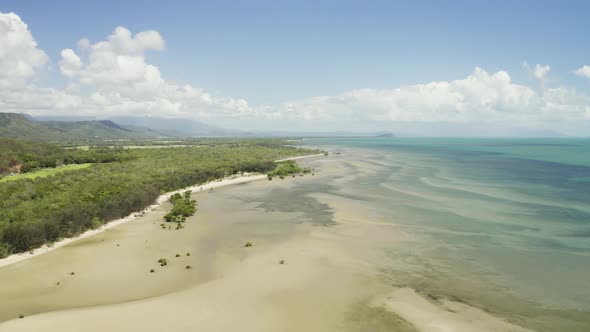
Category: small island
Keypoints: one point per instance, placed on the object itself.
(388, 134)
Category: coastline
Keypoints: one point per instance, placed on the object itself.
(232, 180)
(355, 270)
(301, 157)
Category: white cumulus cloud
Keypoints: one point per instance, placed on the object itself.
(539, 72)
(19, 55)
(482, 99)
(583, 71)
(70, 63)
(480, 95)
(123, 83)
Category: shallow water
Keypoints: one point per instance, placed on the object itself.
(511, 215)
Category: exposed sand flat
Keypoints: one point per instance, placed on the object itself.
(113, 266)
(309, 292)
(444, 316)
(330, 279)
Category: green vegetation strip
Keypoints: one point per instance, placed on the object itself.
(45, 172)
(24, 156)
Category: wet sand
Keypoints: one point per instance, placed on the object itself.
(333, 246)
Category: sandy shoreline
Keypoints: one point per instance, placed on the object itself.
(301, 157)
(300, 274)
(232, 180)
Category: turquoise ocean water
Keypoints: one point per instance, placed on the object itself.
(518, 210)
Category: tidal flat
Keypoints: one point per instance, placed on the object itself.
(354, 247)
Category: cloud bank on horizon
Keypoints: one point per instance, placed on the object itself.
(112, 78)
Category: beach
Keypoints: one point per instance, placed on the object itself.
(232, 180)
(316, 263)
(160, 200)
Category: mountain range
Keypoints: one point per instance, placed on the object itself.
(13, 125)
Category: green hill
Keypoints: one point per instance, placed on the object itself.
(14, 125)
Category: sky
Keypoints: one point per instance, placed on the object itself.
(421, 67)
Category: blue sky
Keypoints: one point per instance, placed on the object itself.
(270, 52)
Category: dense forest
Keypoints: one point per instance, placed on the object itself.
(24, 156)
(45, 209)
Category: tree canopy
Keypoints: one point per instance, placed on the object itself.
(182, 207)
